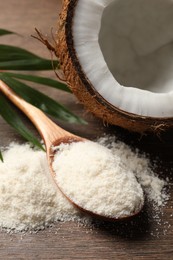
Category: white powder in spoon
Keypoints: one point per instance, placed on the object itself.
(96, 180)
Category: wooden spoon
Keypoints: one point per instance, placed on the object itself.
(53, 135)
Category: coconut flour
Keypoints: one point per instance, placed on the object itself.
(29, 199)
(90, 175)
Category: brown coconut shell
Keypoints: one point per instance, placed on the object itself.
(85, 91)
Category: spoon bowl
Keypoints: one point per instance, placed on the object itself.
(53, 136)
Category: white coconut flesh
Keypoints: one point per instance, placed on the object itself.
(125, 49)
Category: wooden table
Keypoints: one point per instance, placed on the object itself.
(142, 238)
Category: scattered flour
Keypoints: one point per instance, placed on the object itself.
(30, 201)
(140, 166)
(96, 180)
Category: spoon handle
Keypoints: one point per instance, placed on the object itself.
(49, 131)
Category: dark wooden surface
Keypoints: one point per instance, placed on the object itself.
(145, 237)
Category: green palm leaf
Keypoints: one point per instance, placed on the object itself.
(13, 119)
(1, 158)
(14, 58)
(43, 102)
(40, 80)
(5, 32)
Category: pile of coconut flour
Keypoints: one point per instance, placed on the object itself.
(96, 180)
(29, 199)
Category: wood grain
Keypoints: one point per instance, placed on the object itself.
(144, 237)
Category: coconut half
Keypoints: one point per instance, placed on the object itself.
(117, 58)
